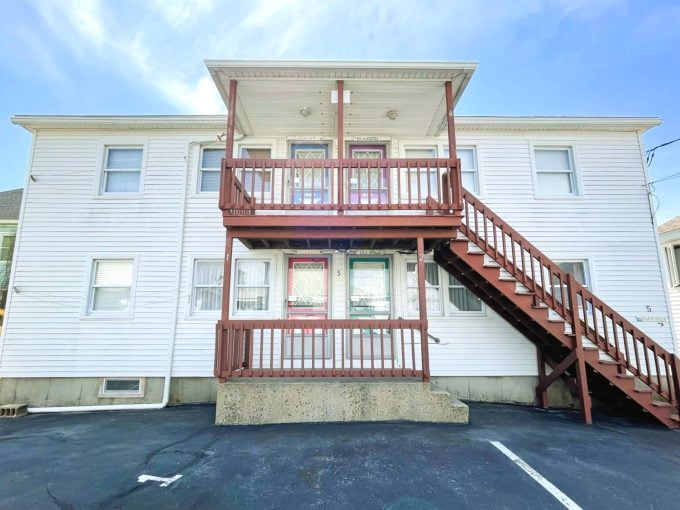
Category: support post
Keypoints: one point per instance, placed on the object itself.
(581, 374)
(455, 179)
(341, 146)
(542, 395)
(422, 307)
(231, 120)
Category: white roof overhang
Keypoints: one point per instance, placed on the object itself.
(271, 94)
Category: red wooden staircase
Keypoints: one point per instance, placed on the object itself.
(585, 341)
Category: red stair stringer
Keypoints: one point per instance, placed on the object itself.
(546, 304)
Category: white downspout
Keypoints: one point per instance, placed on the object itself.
(173, 332)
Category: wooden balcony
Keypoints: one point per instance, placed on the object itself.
(321, 348)
(340, 203)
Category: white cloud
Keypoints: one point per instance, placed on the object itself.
(162, 43)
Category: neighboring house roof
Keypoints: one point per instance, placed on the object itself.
(670, 225)
(10, 203)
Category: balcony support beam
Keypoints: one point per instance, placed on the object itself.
(231, 120)
(226, 275)
(450, 120)
(341, 143)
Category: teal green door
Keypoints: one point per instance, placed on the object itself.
(370, 298)
(369, 288)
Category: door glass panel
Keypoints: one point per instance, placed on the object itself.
(307, 299)
(369, 298)
(368, 185)
(310, 185)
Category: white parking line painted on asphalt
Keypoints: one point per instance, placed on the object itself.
(164, 481)
(538, 477)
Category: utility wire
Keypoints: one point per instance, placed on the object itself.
(651, 152)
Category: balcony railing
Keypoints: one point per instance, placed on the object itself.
(250, 185)
(321, 348)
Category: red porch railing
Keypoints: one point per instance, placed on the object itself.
(321, 348)
(250, 185)
(635, 352)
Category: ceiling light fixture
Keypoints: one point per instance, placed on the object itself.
(305, 111)
(392, 114)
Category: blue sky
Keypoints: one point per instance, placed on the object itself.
(536, 57)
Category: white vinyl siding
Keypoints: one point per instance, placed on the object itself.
(209, 174)
(44, 336)
(111, 286)
(555, 174)
(252, 286)
(207, 292)
(122, 170)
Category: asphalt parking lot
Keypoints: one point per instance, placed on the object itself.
(95, 460)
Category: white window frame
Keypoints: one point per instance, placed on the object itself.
(430, 313)
(673, 264)
(270, 146)
(586, 270)
(452, 311)
(88, 293)
(443, 150)
(407, 146)
(199, 170)
(104, 393)
(576, 183)
(234, 285)
(192, 290)
(101, 180)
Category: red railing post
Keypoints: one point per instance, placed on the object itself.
(675, 399)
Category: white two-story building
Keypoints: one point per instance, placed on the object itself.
(371, 235)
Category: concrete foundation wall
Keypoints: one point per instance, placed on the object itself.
(506, 390)
(258, 402)
(77, 391)
(64, 391)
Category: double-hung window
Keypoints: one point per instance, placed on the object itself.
(207, 292)
(256, 180)
(252, 285)
(432, 288)
(555, 174)
(420, 181)
(461, 299)
(673, 260)
(211, 163)
(122, 170)
(468, 167)
(111, 286)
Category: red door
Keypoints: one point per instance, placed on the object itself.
(307, 288)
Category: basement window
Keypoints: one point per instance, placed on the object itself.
(122, 387)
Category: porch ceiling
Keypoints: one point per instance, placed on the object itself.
(270, 96)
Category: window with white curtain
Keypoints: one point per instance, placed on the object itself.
(207, 292)
(432, 289)
(578, 270)
(468, 167)
(252, 286)
(461, 299)
(555, 171)
(673, 261)
(111, 285)
(211, 163)
(122, 170)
